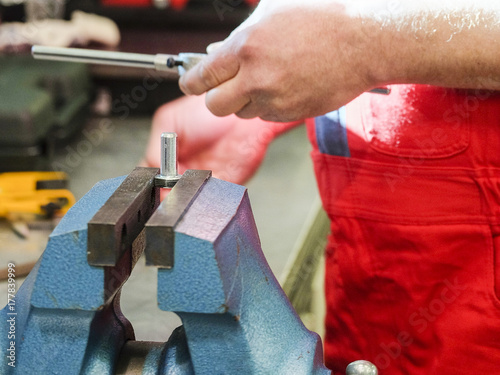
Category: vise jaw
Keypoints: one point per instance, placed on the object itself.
(211, 272)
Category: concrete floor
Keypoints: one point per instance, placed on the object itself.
(281, 193)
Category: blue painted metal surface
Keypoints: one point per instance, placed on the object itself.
(236, 318)
(64, 323)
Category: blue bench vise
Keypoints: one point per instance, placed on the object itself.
(211, 272)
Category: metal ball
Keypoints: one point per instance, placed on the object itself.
(361, 368)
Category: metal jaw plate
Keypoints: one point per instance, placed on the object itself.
(160, 228)
(120, 220)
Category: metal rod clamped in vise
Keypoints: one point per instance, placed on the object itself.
(168, 176)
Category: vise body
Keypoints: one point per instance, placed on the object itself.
(235, 317)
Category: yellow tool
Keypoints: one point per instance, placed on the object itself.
(38, 193)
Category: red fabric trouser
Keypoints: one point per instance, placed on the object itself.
(413, 261)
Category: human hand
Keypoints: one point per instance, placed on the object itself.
(294, 59)
(231, 147)
(288, 61)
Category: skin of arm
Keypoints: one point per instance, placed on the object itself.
(294, 59)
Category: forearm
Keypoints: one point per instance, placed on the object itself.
(433, 43)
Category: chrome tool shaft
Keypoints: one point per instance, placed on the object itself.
(163, 62)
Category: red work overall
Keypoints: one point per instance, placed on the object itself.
(411, 182)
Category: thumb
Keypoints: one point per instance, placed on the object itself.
(215, 69)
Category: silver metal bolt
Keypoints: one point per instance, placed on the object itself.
(361, 368)
(168, 176)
